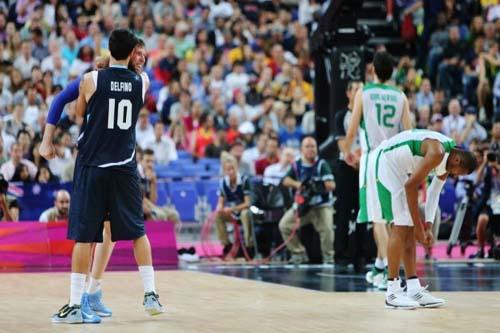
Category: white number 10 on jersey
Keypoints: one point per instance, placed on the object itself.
(124, 114)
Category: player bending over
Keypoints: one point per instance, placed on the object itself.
(402, 164)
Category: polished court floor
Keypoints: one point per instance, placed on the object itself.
(441, 276)
(241, 298)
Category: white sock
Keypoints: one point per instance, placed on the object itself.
(379, 263)
(93, 285)
(148, 278)
(385, 262)
(392, 286)
(413, 286)
(77, 288)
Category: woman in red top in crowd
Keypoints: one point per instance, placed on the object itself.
(204, 135)
(192, 121)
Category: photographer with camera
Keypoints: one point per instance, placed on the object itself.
(487, 207)
(313, 179)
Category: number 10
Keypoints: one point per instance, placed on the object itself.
(124, 114)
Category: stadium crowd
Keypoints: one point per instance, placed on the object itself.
(233, 76)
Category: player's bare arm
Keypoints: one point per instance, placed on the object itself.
(406, 119)
(433, 155)
(357, 112)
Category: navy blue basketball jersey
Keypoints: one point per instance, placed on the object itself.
(107, 137)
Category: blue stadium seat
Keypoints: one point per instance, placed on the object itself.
(184, 197)
(212, 164)
(209, 189)
(162, 194)
(183, 155)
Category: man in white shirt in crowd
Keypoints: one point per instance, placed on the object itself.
(275, 172)
(162, 145)
(144, 131)
(60, 210)
(251, 155)
(237, 80)
(454, 123)
(16, 158)
(25, 61)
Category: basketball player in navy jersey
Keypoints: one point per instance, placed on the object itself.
(106, 179)
(92, 305)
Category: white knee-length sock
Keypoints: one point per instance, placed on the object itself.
(93, 285)
(77, 288)
(148, 278)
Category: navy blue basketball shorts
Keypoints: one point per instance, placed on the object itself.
(101, 194)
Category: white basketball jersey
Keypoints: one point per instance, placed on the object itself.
(382, 113)
(403, 151)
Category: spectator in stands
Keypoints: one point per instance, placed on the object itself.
(25, 61)
(16, 158)
(150, 189)
(204, 135)
(24, 140)
(162, 145)
(144, 131)
(436, 123)
(15, 122)
(232, 133)
(62, 159)
(320, 213)
(60, 210)
(271, 156)
(32, 106)
(473, 130)
(241, 109)
(220, 144)
(40, 51)
(21, 174)
(424, 115)
(425, 95)
(236, 150)
(454, 123)
(180, 137)
(291, 135)
(233, 203)
(45, 176)
(237, 80)
(251, 155)
(192, 120)
(182, 108)
(148, 175)
(275, 172)
(489, 66)
(452, 67)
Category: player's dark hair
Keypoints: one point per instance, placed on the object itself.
(467, 160)
(148, 151)
(382, 62)
(121, 43)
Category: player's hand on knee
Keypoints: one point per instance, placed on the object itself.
(47, 150)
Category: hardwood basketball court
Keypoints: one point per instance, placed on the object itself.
(202, 302)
